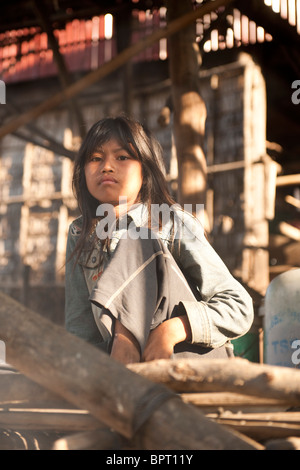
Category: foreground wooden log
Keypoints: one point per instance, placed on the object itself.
(18, 391)
(114, 395)
(230, 375)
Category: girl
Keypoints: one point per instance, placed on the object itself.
(142, 281)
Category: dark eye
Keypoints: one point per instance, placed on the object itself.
(123, 157)
(95, 158)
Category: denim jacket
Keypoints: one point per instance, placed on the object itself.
(223, 309)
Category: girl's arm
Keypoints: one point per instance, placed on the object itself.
(160, 345)
(163, 338)
(224, 310)
(79, 319)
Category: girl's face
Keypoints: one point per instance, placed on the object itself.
(112, 173)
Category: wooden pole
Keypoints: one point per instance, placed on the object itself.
(118, 61)
(116, 396)
(234, 375)
(188, 107)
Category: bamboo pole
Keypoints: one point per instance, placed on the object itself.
(121, 59)
(116, 396)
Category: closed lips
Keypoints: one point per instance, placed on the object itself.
(107, 180)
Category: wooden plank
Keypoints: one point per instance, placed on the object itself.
(262, 426)
(288, 180)
(213, 401)
(96, 75)
(116, 396)
(98, 439)
(47, 420)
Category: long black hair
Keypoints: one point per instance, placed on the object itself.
(138, 142)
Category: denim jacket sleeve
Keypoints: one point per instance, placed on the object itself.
(79, 314)
(224, 310)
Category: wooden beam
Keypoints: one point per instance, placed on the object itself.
(293, 201)
(54, 147)
(229, 166)
(288, 180)
(63, 73)
(88, 378)
(49, 142)
(33, 199)
(118, 61)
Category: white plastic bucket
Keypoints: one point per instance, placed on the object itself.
(282, 320)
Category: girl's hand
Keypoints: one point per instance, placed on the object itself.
(162, 339)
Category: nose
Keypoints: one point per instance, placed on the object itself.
(107, 165)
